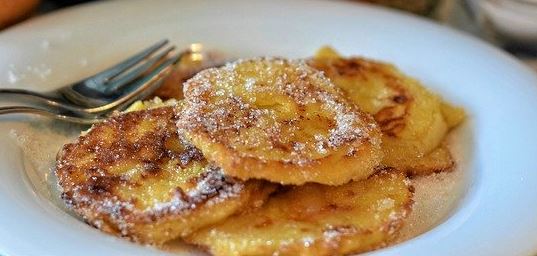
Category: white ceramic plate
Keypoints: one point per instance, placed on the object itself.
(496, 213)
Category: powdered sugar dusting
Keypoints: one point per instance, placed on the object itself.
(437, 195)
(39, 142)
(271, 98)
(385, 203)
(133, 168)
(212, 187)
(434, 197)
(16, 74)
(249, 84)
(11, 77)
(332, 233)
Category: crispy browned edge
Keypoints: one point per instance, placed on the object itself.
(390, 229)
(94, 199)
(391, 122)
(391, 119)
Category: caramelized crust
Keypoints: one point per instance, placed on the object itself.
(316, 219)
(131, 176)
(278, 120)
(414, 121)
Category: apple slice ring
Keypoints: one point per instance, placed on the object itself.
(278, 120)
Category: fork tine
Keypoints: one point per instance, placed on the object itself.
(150, 80)
(114, 71)
(125, 79)
(143, 86)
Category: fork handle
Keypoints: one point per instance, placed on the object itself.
(23, 92)
(43, 99)
(47, 113)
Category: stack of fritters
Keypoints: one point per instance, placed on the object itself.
(331, 140)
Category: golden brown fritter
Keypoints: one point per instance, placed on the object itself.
(316, 219)
(413, 120)
(131, 176)
(278, 120)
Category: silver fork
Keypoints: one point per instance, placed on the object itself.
(108, 89)
(151, 82)
(113, 88)
(52, 114)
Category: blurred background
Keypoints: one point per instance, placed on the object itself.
(509, 24)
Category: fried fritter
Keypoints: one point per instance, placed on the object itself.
(278, 120)
(131, 176)
(413, 120)
(316, 219)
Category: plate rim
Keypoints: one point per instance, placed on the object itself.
(478, 189)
